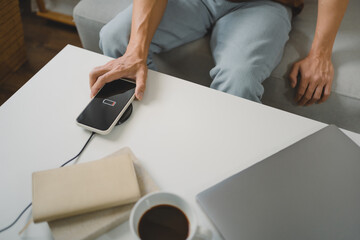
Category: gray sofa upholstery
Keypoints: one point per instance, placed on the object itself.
(194, 61)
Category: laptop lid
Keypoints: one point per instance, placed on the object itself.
(310, 190)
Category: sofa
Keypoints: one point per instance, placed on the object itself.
(60, 6)
(193, 61)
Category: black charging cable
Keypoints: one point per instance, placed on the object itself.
(12, 224)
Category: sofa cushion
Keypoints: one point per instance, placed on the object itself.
(99, 10)
(91, 15)
(60, 6)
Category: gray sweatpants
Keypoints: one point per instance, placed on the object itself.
(247, 39)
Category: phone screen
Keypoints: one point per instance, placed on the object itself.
(106, 106)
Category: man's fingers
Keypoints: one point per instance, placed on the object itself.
(316, 97)
(326, 93)
(307, 95)
(95, 73)
(300, 92)
(293, 75)
(123, 67)
(301, 89)
(102, 80)
(140, 84)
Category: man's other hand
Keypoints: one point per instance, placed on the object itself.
(316, 74)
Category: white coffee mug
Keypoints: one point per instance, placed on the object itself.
(160, 198)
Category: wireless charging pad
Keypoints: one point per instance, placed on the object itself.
(126, 115)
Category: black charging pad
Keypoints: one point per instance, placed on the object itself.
(126, 115)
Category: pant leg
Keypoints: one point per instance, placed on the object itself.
(115, 35)
(247, 44)
(183, 21)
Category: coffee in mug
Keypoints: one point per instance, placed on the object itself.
(164, 215)
(164, 222)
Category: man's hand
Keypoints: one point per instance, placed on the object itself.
(127, 66)
(316, 74)
(145, 19)
(316, 70)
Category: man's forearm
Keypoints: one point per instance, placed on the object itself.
(330, 14)
(147, 15)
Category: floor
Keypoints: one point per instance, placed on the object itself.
(43, 40)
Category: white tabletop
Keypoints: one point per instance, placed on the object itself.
(187, 136)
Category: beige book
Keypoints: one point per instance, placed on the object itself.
(89, 226)
(84, 188)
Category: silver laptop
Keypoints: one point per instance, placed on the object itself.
(310, 190)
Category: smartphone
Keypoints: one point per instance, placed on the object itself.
(107, 107)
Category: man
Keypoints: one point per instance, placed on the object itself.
(247, 42)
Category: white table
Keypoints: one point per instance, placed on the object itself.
(187, 136)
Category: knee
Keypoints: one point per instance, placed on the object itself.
(241, 81)
(114, 36)
(113, 43)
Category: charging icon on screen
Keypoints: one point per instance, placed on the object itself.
(109, 102)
